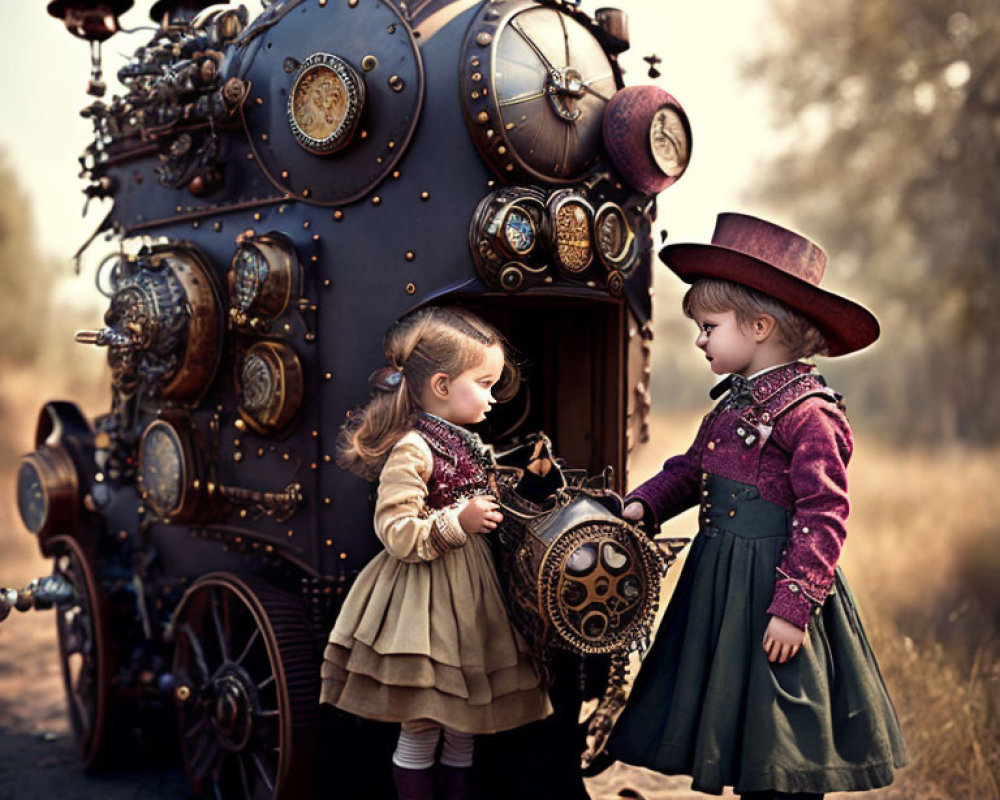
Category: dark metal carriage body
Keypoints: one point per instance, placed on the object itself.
(207, 504)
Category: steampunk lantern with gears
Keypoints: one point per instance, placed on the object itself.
(283, 188)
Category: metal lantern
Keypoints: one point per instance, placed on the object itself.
(95, 21)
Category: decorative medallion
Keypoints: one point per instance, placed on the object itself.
(571, 217)
(325, 103)
(613, 235)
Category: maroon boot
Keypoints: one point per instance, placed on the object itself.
(414, 784)
(456, 782)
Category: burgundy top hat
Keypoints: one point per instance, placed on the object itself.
(778, 262)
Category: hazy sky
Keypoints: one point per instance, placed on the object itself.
(44, 72)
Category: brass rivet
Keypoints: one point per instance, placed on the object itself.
(306, 224)
(327, 501)
(410, 255)
(411, 288)
(237, 456)
(259, 101)
(369, 62)
(249, 156)
(482, 117)
(290, 533)
(305, 192)
(322, 3)
(327, 375)
(315, 237)
(364, 134)
(327, 458)
(256, 216)
(285, 456)
(240, 425)
(474, 62)
(315, 434)
(352, 3)
(284, 173)
(390, 144)
(338, 215)
(376, 200)
(501, 149)
(484, 38)
(263, 137)
(477, 76)
(217, 226)
(310, 337)
(425, 195)
(314, 465)
(326, 282)
(329, 542)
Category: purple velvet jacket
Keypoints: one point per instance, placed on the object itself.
(460, 461)
(785, 433)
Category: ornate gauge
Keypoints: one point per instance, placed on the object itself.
(269, 386)
(262, 280)
(325, 103)
(535, 82)
(571, 217)
(168, 472)
(48, 491)
(506, 236)
(614, 237)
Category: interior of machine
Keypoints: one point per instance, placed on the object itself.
(571, 352)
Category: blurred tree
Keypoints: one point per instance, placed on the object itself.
(25, 274)
(893, 113)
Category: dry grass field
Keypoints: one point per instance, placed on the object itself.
(923, 555)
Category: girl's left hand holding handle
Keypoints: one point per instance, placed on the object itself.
(782, 640)
(480, 515)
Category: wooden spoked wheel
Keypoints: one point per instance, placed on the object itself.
(247, 689)
(84, 651)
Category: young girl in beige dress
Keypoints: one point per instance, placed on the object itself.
(423, 637)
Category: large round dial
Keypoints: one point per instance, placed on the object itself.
(536, 113)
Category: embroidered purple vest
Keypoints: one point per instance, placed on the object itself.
(460, 461)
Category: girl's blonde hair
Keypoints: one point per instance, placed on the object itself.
(418, 346)
(716, 296)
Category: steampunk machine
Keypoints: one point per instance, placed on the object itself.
(283, 188)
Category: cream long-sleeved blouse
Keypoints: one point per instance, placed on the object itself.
(410, 529)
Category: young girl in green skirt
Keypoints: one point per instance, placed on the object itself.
(761, 676)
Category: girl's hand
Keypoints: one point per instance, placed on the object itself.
(634, 511)
(480, 515)
(782, 640)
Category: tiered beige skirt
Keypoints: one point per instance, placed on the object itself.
(431, 641)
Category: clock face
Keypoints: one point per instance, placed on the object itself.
(31, 499)
(162, 468)
(669, 142)
(538, 116)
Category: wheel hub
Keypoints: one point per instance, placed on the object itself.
(232, 704)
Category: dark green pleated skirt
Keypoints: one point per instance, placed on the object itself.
(707, 702)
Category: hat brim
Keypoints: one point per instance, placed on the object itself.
(847, 326)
